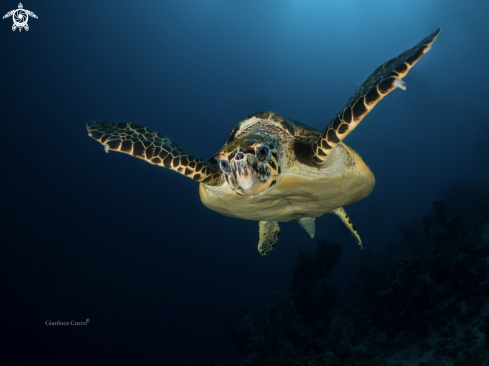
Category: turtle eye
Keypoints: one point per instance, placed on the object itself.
(225, 167)
(263, 153)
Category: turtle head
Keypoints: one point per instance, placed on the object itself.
(250, 164)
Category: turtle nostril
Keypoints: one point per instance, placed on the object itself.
(239, 156)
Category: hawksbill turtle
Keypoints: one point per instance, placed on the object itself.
(273, 169)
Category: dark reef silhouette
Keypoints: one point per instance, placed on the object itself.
(425, 303)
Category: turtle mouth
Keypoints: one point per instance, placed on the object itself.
(250, 165)
(249, 173)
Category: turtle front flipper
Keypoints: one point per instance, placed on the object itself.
(384, 79)
(345, 219)
(269, 232)
(151, 146)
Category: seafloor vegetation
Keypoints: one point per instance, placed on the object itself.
(424, 304)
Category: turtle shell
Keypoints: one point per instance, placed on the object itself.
(302, 190)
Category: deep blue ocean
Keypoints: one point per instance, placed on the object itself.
(128, 245)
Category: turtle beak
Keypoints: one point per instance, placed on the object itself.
(243, 171)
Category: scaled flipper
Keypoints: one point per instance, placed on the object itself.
(269, 232)
(151, 146)
(384, 79)
(9, 14)
(31, 14)
(345, 219)
(308, 224)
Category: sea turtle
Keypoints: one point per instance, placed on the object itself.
(271, 168)
(20, 17)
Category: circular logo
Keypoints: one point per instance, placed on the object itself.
(20, 18)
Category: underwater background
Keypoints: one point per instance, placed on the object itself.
(129, 246)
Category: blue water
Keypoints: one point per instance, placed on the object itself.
(128, 245)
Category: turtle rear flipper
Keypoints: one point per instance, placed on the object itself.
(269, 232)
(308, 223)
(345, 219)
(383, 80)
(151, 146)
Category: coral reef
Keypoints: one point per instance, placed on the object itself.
(428, 306)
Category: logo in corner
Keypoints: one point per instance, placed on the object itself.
(20, 17)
